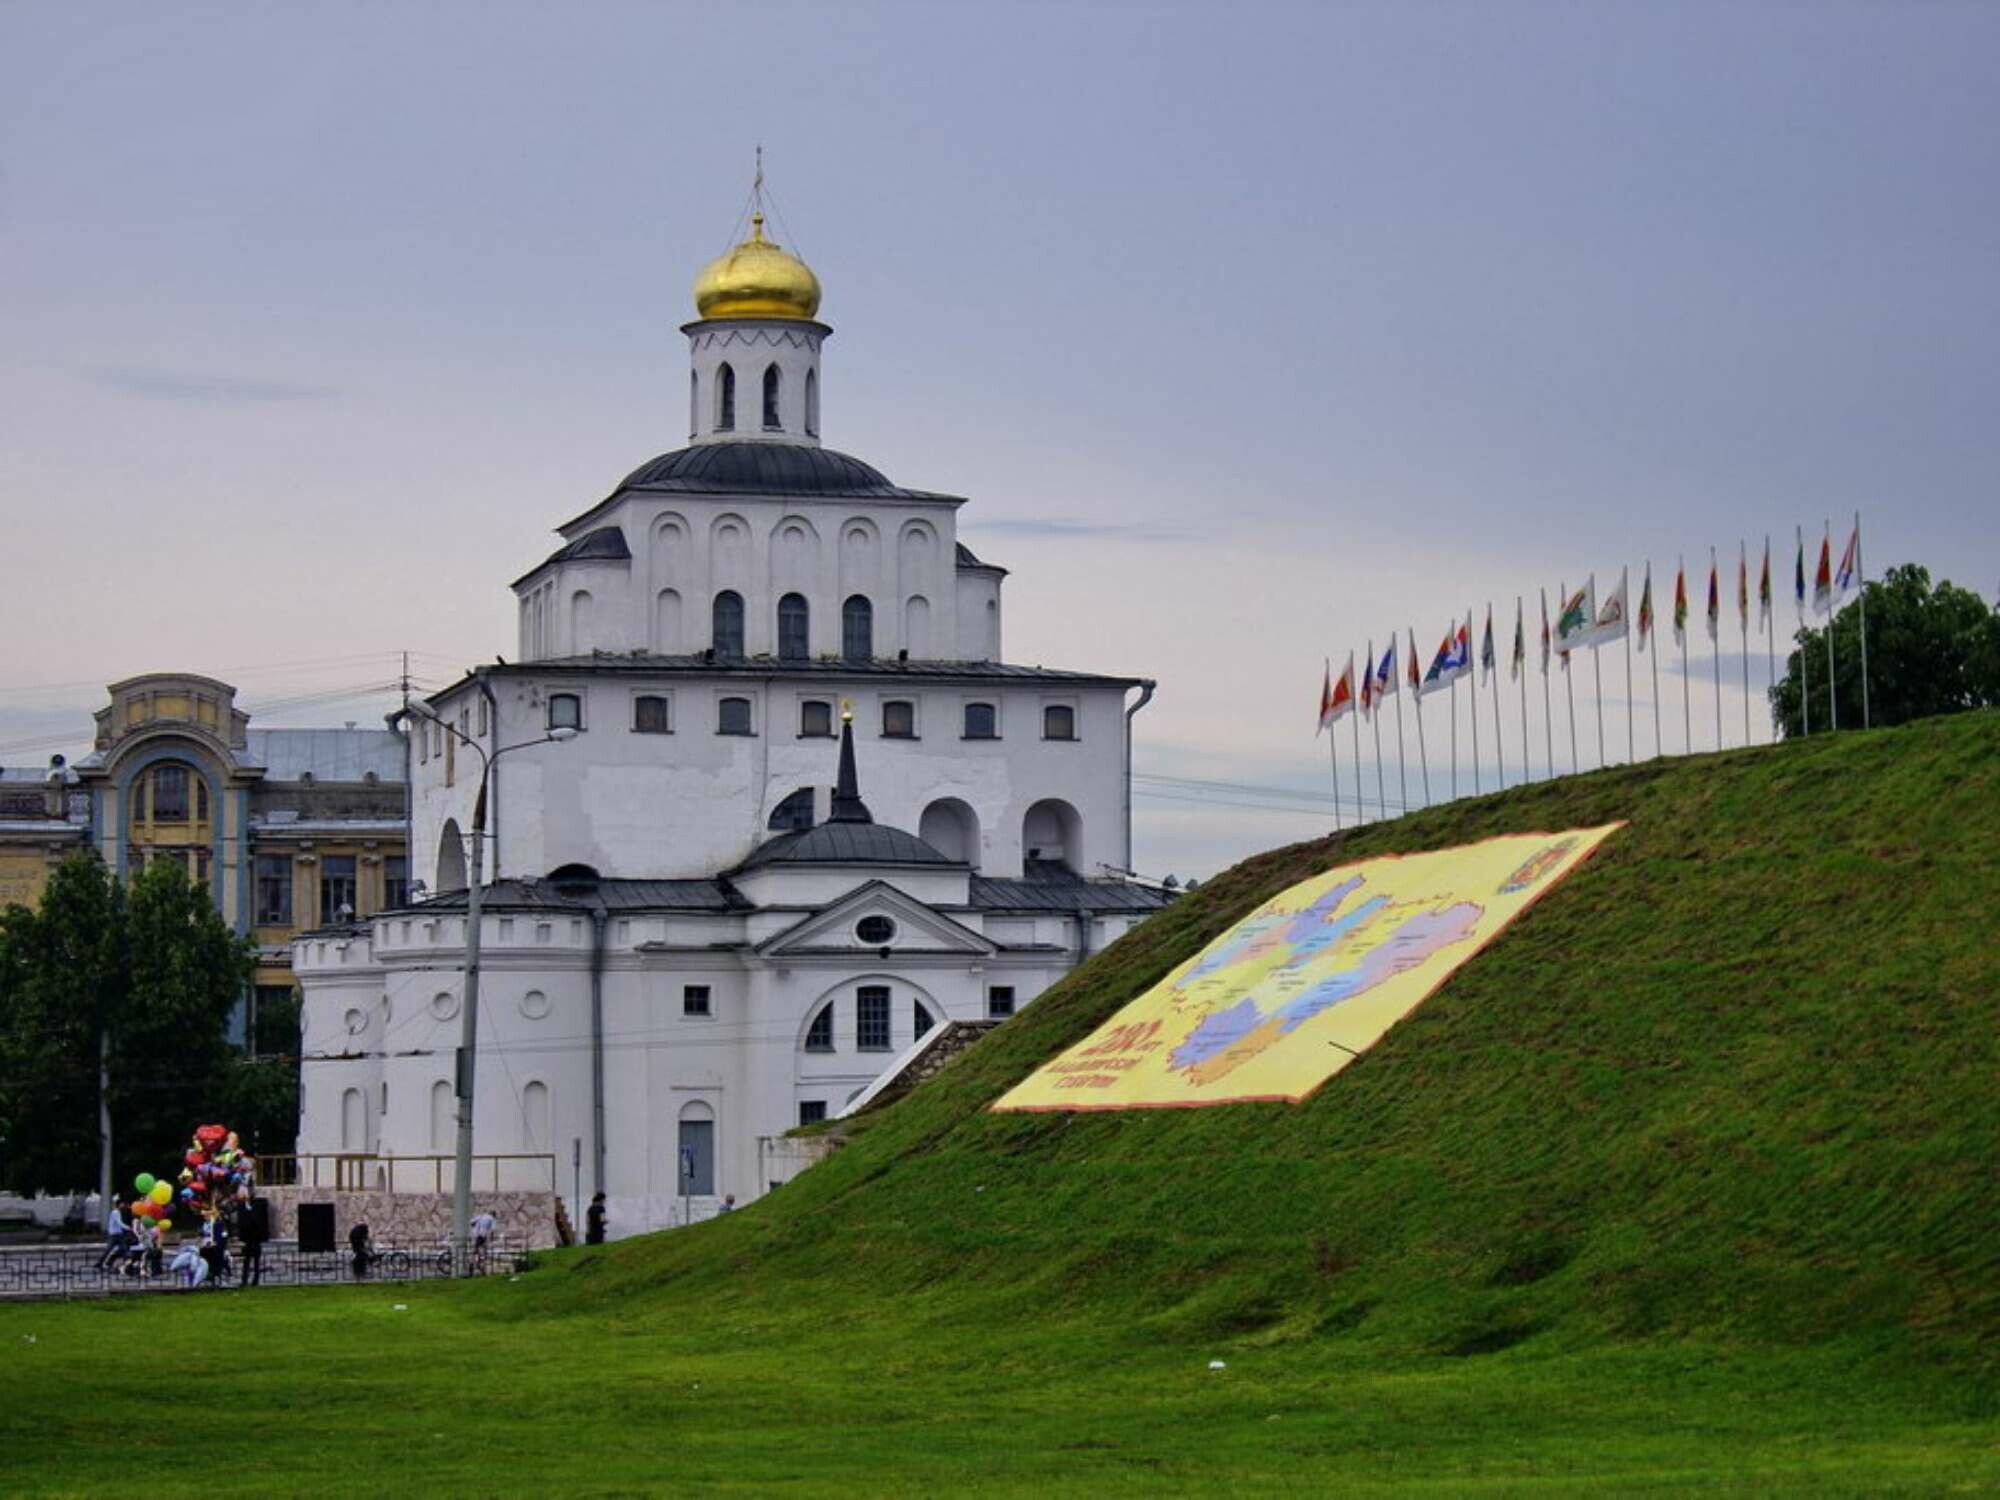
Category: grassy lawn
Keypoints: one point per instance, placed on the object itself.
(1687, 1182)
(479, 1390)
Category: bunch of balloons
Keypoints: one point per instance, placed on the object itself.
(218, 1171)
(155, 1200)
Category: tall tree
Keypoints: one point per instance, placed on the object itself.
(149, 975)
(1932, 649)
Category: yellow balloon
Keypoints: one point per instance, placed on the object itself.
(161, 1193)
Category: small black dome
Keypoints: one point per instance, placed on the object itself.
(767, 468)
(846, 844)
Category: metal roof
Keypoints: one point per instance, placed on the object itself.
(615, 895)
(329, 754)
(847, 844)
(1058, 890)
(768, 468)
(775, 667)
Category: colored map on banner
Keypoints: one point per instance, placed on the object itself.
(1290, 995)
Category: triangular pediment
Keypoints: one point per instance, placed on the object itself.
(835, 928)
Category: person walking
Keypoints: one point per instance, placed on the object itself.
(254, 1225)
(593, 1222)
(357, 1242)
(117, 1239)
(482, 1226)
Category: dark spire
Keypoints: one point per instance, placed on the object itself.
(847, 804)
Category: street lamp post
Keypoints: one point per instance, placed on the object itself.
(468, 1031)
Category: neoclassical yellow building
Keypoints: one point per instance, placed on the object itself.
(287, 828)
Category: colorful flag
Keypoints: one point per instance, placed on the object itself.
(1367, 681)
(1681, 605)
(1453, 661)
(1545, 632)
(1764, 588)
(1416, 665)
(1520, 655)
(1850, 561)
(1611, 623)
(1714, 599)
(1339, 702)
(1487, 661)
(1574, 620)
(1799, 577)
(1646, 609)
(1385, 671)
(1325, 698)
(1823, 578)
(1742, 587)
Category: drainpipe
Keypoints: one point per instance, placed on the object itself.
(1146, 687)
(1082, 935)
(597, 925)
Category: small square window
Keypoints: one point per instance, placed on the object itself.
(899, 720)
(811, 1111)
(649, 714)
(565, 711)
(695, 1000)
(815, 719)
(1000, 1001)
(732, 716)
(1058, 722)
(981, 722)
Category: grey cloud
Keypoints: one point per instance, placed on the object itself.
(183, 385)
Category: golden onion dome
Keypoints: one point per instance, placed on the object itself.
(757, 280)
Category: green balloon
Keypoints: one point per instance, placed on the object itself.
(144, 1182)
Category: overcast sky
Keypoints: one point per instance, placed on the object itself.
(1252, 331)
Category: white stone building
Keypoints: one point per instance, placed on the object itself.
(692, 939)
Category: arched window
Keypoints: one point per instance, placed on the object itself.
(565, 711)
(582, 622)
(725, 399)
(794, 813)
(726, 624)
(694, 1166)
(981, 722)
(732, 716)
(451, 857)
(773, 381)
(353, 1121)
(819, 1035)
(534, 1115)
(1058, 722)
(794, 628)
(444, 1116)
(812, 403)
(952, 828)
(857, 628)
(922, 1021)
(1052, 834)
(649, 714)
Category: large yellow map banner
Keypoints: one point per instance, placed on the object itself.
(1308, 982)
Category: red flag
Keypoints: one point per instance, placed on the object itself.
(1325, 699)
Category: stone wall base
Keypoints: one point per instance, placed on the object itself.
(415, 1221)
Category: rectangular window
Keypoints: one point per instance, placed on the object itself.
(483, 726)
(695, 1000)
(815, 720)
(899, 720)
(871, 1018)
(336, 887)
(170, 794)
(1058, 722)
(450, 761)
(395, 880)
(732, 716)
(1000, 1001)
(565, 711)
(649, 714)
(981, 722)
(274, 890)
(811, 1111)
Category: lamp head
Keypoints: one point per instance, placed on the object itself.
(566, 732)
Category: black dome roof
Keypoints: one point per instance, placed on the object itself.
(767, 468)
(846, 844)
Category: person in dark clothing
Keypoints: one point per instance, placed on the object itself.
(357, 1241)
(215, 1250)
(593, 1222)
(254, 1224)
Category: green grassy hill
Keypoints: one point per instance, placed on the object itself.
(1689, 1181)
(1737, 1077)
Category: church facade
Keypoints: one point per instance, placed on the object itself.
(766, 806)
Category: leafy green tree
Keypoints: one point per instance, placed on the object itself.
(1932, 649)
(150, 973)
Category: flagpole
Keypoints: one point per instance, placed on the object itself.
(1770, 627)
(1832, 704)
(1653, 630)
(1715, 639)
(1499, 736)
(1333, 756)
(1680, 630)
(1521, 667)
(1799, 609)
(1454, 739)
(1548, 711)
(1631, 734)
(1861, 599)
(1417, 708)
(1375, 718)
(1743, 625)
(1402, 760)
(1569, 684)
(1360, 817)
